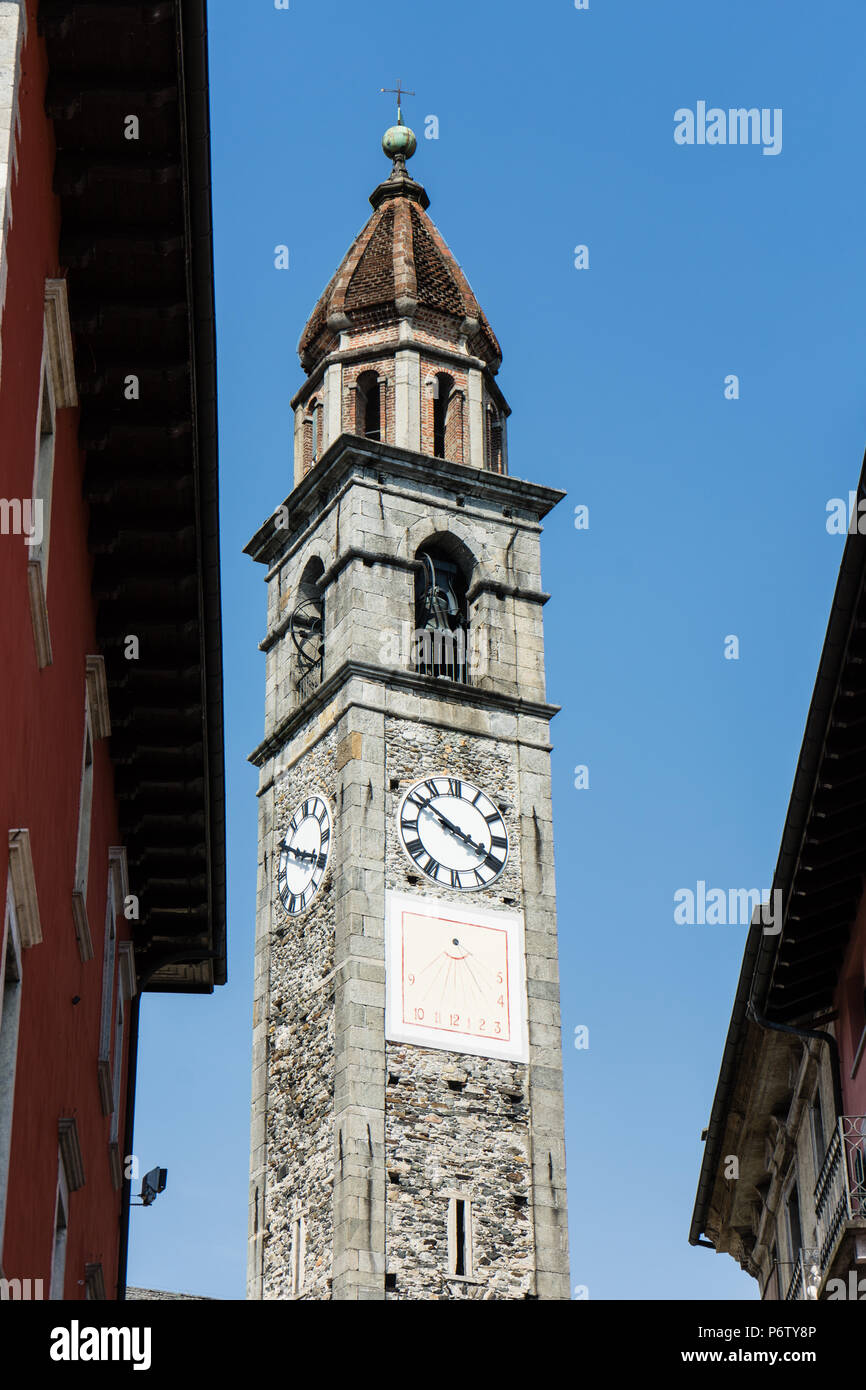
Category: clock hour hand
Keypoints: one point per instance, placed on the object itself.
(300, 853)
(455, 830)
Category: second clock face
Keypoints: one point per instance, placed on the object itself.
(453, 832)
(304, 853)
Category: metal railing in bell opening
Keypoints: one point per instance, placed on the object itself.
(442, 654)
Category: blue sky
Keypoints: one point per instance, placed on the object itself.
(707, 515)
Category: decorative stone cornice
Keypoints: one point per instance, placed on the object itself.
(395, 678)
(94, 1279)
(70, 1152)
(59, 335)
(97, 697)
(350, 453)
(493, 586)
(24, 888)
(119, 873)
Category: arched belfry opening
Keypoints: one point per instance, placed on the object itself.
(495, 450)
(368, 406)
(307, 627)
(441, 646)
(443, 388)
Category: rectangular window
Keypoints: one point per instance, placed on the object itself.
(43, 473)
(82, 851)
(460, 1236)
(795, 1234)
(61, 1224)
(117, 1065)
(299, 1251)
(855, 990)
(125, 991)
(104, 1067)
(10, 1004)
(819, 1146)
(43, 483)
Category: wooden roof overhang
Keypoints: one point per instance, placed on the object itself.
(136, 248)
(791, 977)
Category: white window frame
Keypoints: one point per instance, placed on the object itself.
(104, 1067)
(43, 486)
(117, 1064)
(44, 453)
(10, 1010)
(61, 1231)
(82, 847)
(57, 390)
(125, 992)
(819, 1151)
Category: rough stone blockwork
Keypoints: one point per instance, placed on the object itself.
(455, 1122)
(301, 1062)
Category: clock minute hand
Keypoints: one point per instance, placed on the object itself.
(455, 830)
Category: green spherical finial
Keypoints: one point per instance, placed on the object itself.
(399, 140)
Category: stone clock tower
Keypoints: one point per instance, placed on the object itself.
(407, 1128)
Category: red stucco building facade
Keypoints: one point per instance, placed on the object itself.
(110, 678)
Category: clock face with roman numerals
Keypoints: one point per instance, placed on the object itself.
(453, 833)
(304, 853)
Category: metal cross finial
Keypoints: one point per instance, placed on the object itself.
(400, 92)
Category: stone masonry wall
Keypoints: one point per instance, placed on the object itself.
(299, 1132)
(455, 1122)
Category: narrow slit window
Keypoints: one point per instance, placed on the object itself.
(299, 1242)
(460, 1253)
(460, 1237)
(369, 406)
(442, 389)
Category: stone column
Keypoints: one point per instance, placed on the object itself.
(359, 1027)
(476, 418)
(333, 401)
(407, 394)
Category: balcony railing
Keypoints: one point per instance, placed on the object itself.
(840, 1192)
(309, 680)
(805, 1280)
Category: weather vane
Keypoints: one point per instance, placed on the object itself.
(400, 92)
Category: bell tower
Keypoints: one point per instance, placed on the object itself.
(407, 1125)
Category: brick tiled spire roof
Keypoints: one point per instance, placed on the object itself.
(397, 266)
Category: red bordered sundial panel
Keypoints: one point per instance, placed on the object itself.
(455, 977)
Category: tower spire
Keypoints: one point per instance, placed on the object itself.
(399, 141)
(399, 91)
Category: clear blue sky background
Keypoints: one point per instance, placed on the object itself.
(707, 516)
